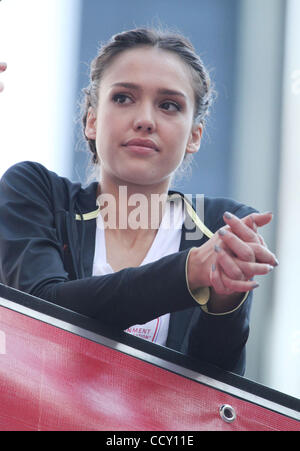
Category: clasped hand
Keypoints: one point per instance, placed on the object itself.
(232, 257)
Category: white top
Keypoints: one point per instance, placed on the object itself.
(166, 242)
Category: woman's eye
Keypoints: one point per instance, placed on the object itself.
(121, 98)
(170, 106)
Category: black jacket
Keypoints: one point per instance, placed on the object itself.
(47, 250)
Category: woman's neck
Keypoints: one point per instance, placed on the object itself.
(131, 209)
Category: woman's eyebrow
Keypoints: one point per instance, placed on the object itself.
(164, 91)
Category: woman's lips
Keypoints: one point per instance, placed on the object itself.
(141, 146)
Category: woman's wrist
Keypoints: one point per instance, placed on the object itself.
(195, 270)
(221, 303)
(196, 279)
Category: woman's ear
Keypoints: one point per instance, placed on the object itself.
(194, 141)
(90, 127)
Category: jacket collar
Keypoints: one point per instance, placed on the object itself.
(194, 232)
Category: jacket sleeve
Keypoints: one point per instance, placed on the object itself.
(31, 260)
(221, 338)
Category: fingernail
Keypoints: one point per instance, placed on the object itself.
(213, 267)
(276, 262)
(217, 248)
(222, 232)
(255, 285)
(271, 268)
(228, 215)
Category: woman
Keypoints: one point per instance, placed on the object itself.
(104, 251)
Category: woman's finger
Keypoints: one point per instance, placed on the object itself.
(228, 264)
(263, 255)
(262, 219)
(250, 269)
(238, 269)
(240, 286)
(249, 252)
(216, 281)
(261, 240)
(240, 228)
(246, 227)
(236, 245)
(259, 219)
(250, 221)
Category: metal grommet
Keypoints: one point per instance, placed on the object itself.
(227, 413)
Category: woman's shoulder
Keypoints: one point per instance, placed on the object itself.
(222, 204)
(210, 210)
(215, 207)
(32, 170)
(34, 181)
(33, 174)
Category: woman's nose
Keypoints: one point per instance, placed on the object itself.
(144, 121)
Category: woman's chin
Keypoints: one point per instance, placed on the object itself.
(140, 177)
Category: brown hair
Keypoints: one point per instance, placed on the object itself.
(172, 42)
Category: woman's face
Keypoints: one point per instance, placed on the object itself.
(143, 123)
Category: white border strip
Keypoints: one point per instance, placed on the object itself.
(136, 353)
(40, 79)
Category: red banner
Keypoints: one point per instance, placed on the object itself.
(54, 380)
